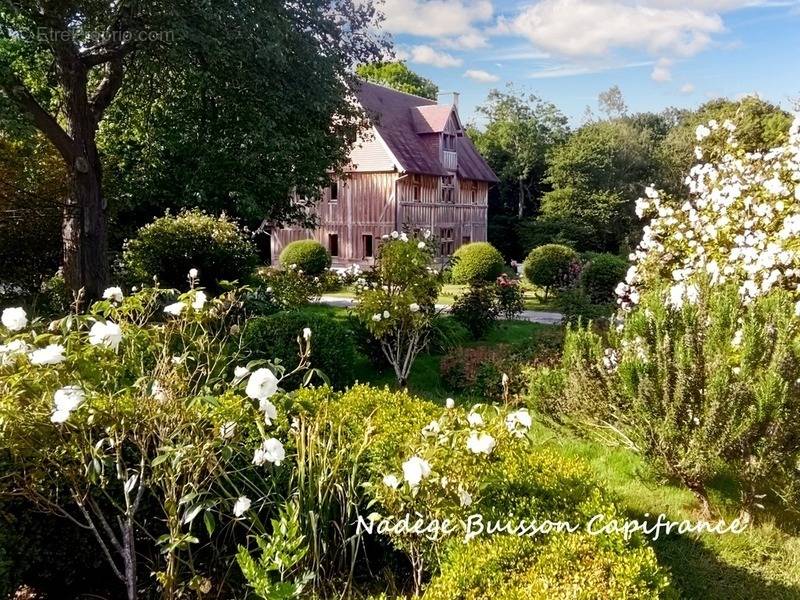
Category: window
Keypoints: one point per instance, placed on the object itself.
(334, 191)
(366, 244)
(466, 239)
(333, 244)
(449, 142)
(474, 192)
(447, 189)
(416, 183)
(446, 241)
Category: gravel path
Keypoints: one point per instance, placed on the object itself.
(534, 316)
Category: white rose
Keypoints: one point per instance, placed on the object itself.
(113, 293)
(414, 307)
(449, 403)
(175, 309)
(50, 355)
(269, 410)
(66, 400)
(415, 469)
(307, 333)
(106, 334)
(242, 506)
(262, 385)
(192, 273)
(519, 422)
(391, 481)
(475, 419)
(15, 319)
(480, 443)
(200, 300)
(432, 429)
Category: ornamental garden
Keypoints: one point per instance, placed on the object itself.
(210, 429)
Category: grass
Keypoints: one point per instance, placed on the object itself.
(763, 563)
(533, 297)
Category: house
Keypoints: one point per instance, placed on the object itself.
(414, 169)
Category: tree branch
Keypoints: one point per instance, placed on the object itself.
(44, 121)
(108, 88)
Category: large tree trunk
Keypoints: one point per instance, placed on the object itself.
(84, 224)
(84, 232)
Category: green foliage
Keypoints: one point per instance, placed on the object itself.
(477, 262)
(32, 191)
(578, 308)
(308, 256)
(170, 246)
(511, 568)
(510, 297)
(478, 372)
(270, 576)
(551, 266)
(447, 334)
(397, 75)
(276, 337)
(521, 131)
(556, 230)
(700, 388)
(600, 275)
(477, 309)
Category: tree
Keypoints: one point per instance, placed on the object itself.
(612, 102)
(397, 75)
(760, 126)
(64, 64)
(599, 173)
(521, 131)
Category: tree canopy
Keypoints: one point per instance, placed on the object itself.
(397, 75)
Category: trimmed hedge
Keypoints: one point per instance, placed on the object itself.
(332, 347)
(550, 265)
(308, 256)
(172, 245)
(601, 275)
(477, 262)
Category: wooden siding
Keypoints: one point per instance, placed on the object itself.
(370, 154)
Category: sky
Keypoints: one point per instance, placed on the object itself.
(660, 53)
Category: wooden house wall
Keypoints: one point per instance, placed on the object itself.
(366, 206)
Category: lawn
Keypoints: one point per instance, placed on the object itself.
(533, 296)
(762, 563)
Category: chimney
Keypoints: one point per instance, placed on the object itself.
(445, 96)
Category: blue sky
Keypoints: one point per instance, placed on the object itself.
(660, 52)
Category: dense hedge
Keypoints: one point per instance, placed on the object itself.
(600, 275)
(172, 245)
(308, 256)
(477, 262)
(332, 345)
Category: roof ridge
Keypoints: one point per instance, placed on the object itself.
(391, 89)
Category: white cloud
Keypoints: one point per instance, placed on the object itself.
(469, 41)
(425, 55)
(661, 72)
(481, 76)
(435, 18)
(687, 88)
(571, 70)
(580, 28)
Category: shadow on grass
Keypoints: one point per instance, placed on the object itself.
(698, 574)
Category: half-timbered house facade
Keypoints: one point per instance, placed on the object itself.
(414, 169)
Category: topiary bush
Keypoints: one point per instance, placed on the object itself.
(332, 346)
(308, 256)
(170, 246)
(551, 265)
(600, 275)
(477, 262)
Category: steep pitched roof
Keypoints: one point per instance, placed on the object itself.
(402, 119)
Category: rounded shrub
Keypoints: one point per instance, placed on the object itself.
(170, 246)
(477, 262)
(332, 347)
(550, 265)
(601, 275)
(309, 256)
